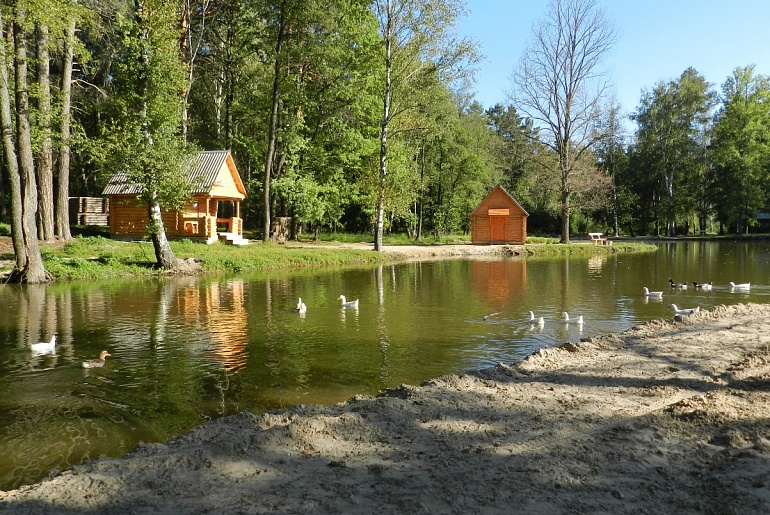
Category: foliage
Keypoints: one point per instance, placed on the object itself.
(140, 134)
(670, 163)
(740, 149)
(671, 174)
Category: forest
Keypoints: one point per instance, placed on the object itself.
(358, 116)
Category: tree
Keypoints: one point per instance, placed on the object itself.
(740, 148)
(32, 270)
(610, 152)
(9, 150)
(62, 219)
(417, 45)
(143, 138)
(672, 121)
(559, 86)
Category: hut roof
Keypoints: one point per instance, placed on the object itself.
(507, 196)
(203, 175)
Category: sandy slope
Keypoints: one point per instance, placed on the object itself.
(665, 418)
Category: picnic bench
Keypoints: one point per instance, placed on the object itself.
(598, 238)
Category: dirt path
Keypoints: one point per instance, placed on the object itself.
(665, 418)
(415, 252)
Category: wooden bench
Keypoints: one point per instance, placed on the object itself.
(598, 239)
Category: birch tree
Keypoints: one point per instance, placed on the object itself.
(419, 45)
(143, 138)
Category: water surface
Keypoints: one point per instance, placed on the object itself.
(190, 349)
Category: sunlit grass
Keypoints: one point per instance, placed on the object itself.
(97, 257)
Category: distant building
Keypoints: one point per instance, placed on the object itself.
(499, 219)
(212, 212)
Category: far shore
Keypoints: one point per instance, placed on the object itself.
(667, 417)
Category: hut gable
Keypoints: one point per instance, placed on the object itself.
(499, 219)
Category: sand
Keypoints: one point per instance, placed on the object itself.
(668, 417)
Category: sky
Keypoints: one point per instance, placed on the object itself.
(657, 41)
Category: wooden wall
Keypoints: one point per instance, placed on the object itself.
(516, 231)
(127, 218)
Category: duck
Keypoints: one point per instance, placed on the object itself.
(44, 347)
(686, 311)
(490, 315)
(536, 320)
(649, 293)
(567, 320)
(96, 363)
(301, 307)
(348, 304)
(681, 286)
(702, 286)
(740, 286)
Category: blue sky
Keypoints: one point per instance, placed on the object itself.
(658, 40)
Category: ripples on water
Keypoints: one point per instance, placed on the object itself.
(185, 351)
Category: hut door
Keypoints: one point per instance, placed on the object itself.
(498, 224)
(499, 227)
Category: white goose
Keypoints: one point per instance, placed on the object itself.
(686, 311)
(740, 286)
(703, 286)
(567, 320)
(301, 307)
(348, 304)
(536, 320)
(648, 293)
(44, 347)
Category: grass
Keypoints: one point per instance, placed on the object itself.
(94, 257)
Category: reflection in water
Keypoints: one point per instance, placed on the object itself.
(595, 264)
(499, 281)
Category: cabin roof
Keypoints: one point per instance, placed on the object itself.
(506, 196)
(203, 175)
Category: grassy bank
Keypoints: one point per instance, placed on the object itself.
(97, 257)
(586, 249)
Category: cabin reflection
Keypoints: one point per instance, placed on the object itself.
(499, 281)
(220, 308)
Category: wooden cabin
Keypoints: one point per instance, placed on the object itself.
(499, 219)
(213, 212)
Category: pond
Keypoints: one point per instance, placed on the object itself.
(187, 350)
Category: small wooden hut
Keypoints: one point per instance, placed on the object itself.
(499, 219)
(212, 212)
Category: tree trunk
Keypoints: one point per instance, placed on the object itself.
(164, 256)
(45, 158)
(9, 148)
(272, 134)
(33, 271)
(63, 190)
(380, 222)
(565, 192)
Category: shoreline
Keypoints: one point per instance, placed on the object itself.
(668, 416)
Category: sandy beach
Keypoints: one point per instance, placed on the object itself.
(668, 417)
